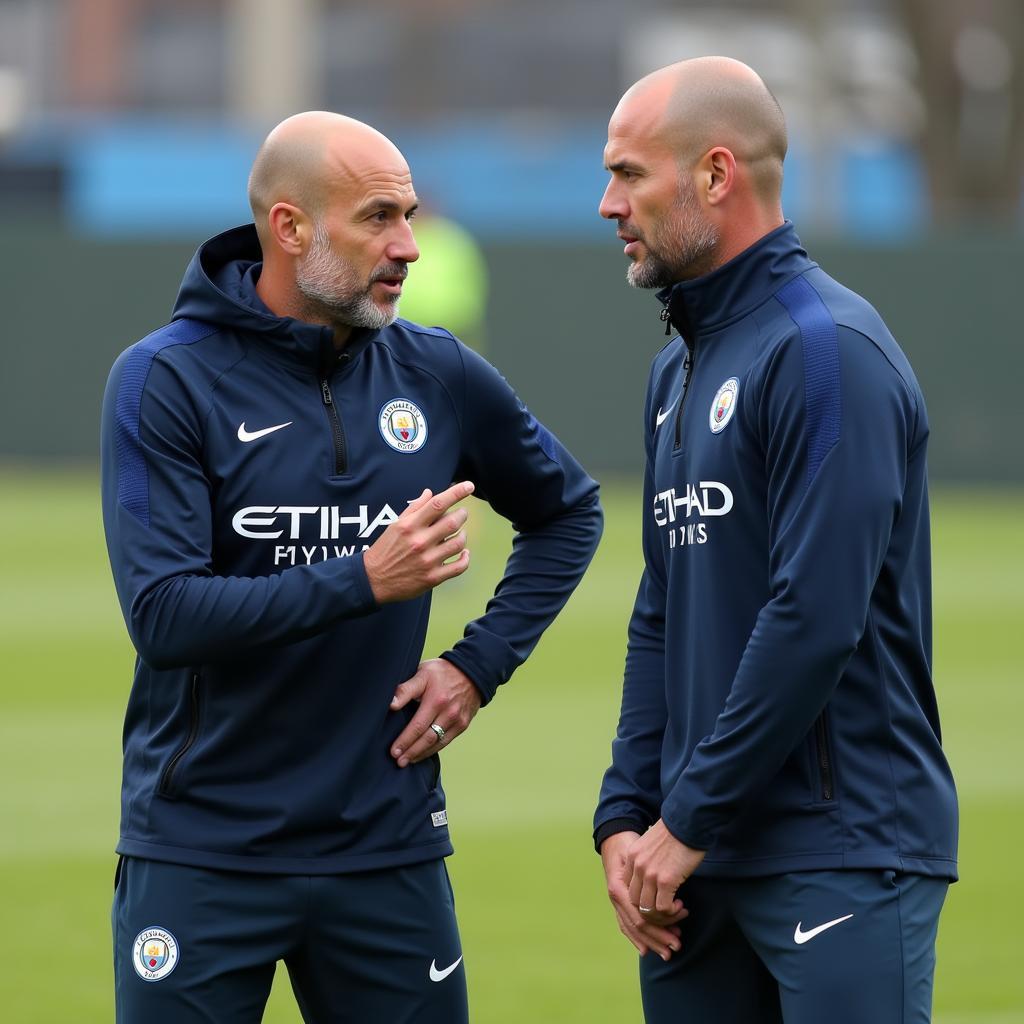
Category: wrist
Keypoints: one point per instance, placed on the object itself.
(616, 826)
(372, 578)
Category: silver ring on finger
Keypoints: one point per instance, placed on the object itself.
(438, 731)
(646, 910)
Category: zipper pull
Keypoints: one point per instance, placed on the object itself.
(325, 392)
(663, 316)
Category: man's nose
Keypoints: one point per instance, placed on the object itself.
(613, 205)
(403, 246)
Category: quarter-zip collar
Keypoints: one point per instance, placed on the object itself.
(219, 287)
(736, 288)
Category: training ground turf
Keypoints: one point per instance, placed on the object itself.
(540, 940)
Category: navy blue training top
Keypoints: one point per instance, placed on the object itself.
(246, 467)
(778, 708)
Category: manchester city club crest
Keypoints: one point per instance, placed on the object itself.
(724, 405)
(402, 425)
(154, 954)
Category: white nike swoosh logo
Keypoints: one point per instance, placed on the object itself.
(251, 435)
(662, 416)
(800, 937)
(436, 975)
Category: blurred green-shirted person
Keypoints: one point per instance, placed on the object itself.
(449, 285)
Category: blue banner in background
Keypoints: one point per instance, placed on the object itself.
(502, 179)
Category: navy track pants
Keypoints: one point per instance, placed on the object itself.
(198, 946)
(843, 947)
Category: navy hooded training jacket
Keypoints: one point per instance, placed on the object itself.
(246, 467)
(778, 708)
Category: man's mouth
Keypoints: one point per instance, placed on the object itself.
(391, 282)
(632, 242)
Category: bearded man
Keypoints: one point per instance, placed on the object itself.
(778, 825)
(281, 465)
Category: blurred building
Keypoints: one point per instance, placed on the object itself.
(127, 128)
(140, 115)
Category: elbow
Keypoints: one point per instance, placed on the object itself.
(579, 521)
(589, 517)
(153, 649)
(154, 642)
(595, 517)
(832, 637)
(589, 509)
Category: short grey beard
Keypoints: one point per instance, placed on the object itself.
(333, 293)
(681, 248)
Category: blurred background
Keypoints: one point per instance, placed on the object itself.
(127, 128)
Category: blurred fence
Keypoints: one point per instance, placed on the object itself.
(563, 326)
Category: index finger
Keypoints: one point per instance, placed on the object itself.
(425, 495)
(433, 508)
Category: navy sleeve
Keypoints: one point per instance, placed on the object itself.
(837, 423)
(528, 477)
(630, 796)
(158, 522)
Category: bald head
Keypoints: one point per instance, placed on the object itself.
(332, 199)
(695, 105)
(309, 154)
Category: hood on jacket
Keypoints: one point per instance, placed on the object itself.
(219, 287)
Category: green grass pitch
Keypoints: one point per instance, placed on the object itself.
(539, 938)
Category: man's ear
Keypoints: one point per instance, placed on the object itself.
(289, 228)
(718, 172)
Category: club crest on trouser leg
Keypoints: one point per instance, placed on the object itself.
(154, 954)
(724, 405)
(403, 425)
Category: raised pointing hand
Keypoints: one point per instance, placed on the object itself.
(411, 556)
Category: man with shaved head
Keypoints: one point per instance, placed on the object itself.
(778, 826)
(281, 469)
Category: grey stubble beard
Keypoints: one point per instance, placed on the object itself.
(332, 292)
(682, 247)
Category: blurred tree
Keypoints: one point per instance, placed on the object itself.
(971, 56)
